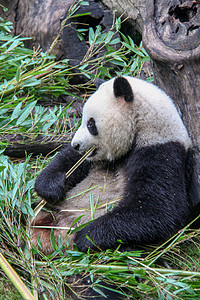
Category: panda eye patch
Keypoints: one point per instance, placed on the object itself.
(92, 126)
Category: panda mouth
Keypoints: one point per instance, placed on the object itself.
(93, 153)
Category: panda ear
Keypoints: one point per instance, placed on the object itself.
(122, 88)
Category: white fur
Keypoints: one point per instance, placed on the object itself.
(150, 119)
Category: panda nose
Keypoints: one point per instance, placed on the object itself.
(76, 146)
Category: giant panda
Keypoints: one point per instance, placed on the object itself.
(137, 176)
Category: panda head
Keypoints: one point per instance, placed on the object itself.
(107, 122)
(125, 110)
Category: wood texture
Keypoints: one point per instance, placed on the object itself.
(41, 20)
(135, 10)
(171, 37)
(19, 146)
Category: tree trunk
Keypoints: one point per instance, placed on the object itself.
(21, 145)
(41, 20)
(171, 37)
(135, 10)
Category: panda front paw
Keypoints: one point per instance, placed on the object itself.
(52, 188)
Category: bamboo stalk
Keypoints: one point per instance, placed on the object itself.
(79, 162)
(38, 209)
(15, 279)
(171, 272)
(74, 167)
(53, 227)
(115, 268)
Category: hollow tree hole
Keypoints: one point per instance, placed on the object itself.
(184, 12)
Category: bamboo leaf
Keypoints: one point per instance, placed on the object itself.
(91, 36)
(18, 75)
(39, 242)
(60, 240)
(2, 168)
(53, 241)
(31, 82)
(26, 112)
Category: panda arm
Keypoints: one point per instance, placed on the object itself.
(51, 184)
(154, 205)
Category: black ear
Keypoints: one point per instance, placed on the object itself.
(122, 88)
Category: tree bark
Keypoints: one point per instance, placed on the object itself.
(171, 37)
(134, 10)
(19, 146)
(41, 20)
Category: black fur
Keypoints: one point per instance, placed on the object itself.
(193, 186)
(52, 184)
(155, 204)
(122, 88)
(192, 176)
(156, 201)
(92, 126)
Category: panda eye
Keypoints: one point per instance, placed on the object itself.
(92, 126)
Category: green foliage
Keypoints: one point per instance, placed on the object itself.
(118, 57)
(7, 291)
(13, 190)
(141, 276)
(27, 76)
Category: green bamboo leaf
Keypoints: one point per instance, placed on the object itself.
(29, 210)
(14, 196)
(115, 41)
(92, 207)
(84, 3)
(16, 112)
(16, 43)
(31, 82)
(109, 37)
(56, 272)
(133, 67)
(39, 242)
(5, 9)
(23, 208)
(26, 112)
(118, 61)
(26, 252)
(18, 74)
(2, 168)
(96, 289)
(77, 219)
(80, 227)
(118, 23)
(91, 36)
(48, 124)
(53, 241)
(60, 240)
